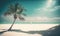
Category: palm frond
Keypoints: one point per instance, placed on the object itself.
(21, 18)
(24, 14)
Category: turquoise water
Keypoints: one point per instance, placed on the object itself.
(33, 23)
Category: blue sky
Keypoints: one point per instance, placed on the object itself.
(34, 8)
(31, 5)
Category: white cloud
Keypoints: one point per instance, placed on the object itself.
(50, 3)
(43, 11)
(48, 7)
(34, 19)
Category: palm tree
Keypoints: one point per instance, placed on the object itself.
(16, 10)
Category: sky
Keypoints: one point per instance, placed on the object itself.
(46, 9)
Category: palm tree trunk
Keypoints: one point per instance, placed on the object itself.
(12, 25)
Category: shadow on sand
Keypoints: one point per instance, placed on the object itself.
(54, 31)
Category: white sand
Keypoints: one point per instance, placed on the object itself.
(25, 27)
